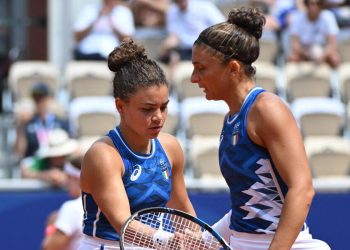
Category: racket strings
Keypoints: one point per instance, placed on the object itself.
(185, 234)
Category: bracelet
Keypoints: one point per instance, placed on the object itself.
(161, 238)
(50, 230)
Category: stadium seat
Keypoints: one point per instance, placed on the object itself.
(202, 117)
(204, 156)
(344, 81)
(306, 79)
(92, 116)
(319, 115)
(344, 48)
(152, 46)
(88, 78)
(267, 76)
(329, 156)
(23, 74)
(182, 81)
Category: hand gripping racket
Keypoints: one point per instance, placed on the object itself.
(166, 228)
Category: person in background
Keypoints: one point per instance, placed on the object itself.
(33, 128)
(261, 152)
(48, 162)
(99, 28)
(313, 34)
(64, 227)
(136, 165)
(185, 20)
(150, 16)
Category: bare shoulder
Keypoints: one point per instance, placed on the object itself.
(101, 161)
(171, 145)
(269, 105)
(102, 148)
(269, 117)
(167, 139)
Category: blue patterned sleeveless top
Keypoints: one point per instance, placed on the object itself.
(147, 180)
(256, 189)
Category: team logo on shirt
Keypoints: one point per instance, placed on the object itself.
(165, 170)
(235, 134)
(136, 173)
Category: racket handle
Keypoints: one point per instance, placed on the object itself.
(161, 238)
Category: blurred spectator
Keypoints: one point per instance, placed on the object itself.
(32, 128)
(64, 227)
(150, 16)
(185, 20)
(100, 28)
(49, 161)
(266, 7)
(313, 35)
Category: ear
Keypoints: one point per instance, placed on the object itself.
(119, 104)
(235, 67)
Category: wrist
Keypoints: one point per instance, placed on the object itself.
(161, 238)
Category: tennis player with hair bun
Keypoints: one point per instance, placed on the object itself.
(136, 165)
(261, 154)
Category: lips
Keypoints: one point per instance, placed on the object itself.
(156, 128)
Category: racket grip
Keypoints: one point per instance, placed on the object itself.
(161, 238)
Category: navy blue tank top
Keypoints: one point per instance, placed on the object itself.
(256, 189)
(147, 181)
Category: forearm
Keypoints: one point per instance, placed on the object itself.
(159, 5)
(120, 35)
(79, 35)
(295, 45)
(295, 209)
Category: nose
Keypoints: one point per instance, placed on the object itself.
(157, 116)
(194, 77)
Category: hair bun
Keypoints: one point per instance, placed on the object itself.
(126, 52)
(249, 19)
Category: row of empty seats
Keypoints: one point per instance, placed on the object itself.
(86, 78)
(321, 116)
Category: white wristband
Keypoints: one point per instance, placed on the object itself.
(161, 238)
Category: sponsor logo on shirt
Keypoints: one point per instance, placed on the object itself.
(136, 173)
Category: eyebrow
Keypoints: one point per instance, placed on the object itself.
(154, 104)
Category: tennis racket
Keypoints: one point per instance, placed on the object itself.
(166, 228)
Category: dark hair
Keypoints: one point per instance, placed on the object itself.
(133, 70)
(40, 90)
(238, 37)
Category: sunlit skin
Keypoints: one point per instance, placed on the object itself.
(218, 80)
(143, 116)
(229, 82)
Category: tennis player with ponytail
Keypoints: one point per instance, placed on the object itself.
(261, 154)
(136, 165)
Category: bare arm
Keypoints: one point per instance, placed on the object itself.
(156, 5)
(179, 198)
(53, 176)
(80, 35)
(296, 48)
(57, 241)
(101, 176)
(273, 126)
